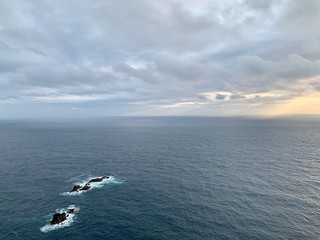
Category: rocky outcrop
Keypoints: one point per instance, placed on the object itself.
(98, 179)
(76, 188)
(70, 210)
(85, 187)
(58, 218)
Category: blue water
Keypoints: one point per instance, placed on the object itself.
(175, 178)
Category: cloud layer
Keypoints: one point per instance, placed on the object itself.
(139, 57)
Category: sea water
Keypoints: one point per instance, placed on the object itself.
(172, 178)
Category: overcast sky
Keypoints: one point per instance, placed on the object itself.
(165, 57)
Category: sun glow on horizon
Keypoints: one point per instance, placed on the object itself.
(309, 104)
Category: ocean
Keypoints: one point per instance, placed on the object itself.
(172, 178)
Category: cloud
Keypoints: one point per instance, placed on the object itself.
(237, 96)
(220, 97)
(135, 57)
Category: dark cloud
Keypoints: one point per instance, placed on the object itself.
(316, 85)
(220, 97)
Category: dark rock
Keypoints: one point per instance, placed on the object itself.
(76, 188)
(99, 179)
(70, 210)
(96, 180)
(58, 218)
(86, 187)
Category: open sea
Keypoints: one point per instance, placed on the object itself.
(172, 178)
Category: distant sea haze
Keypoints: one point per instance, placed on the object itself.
(181, 178)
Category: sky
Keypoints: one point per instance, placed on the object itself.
(69, 58)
